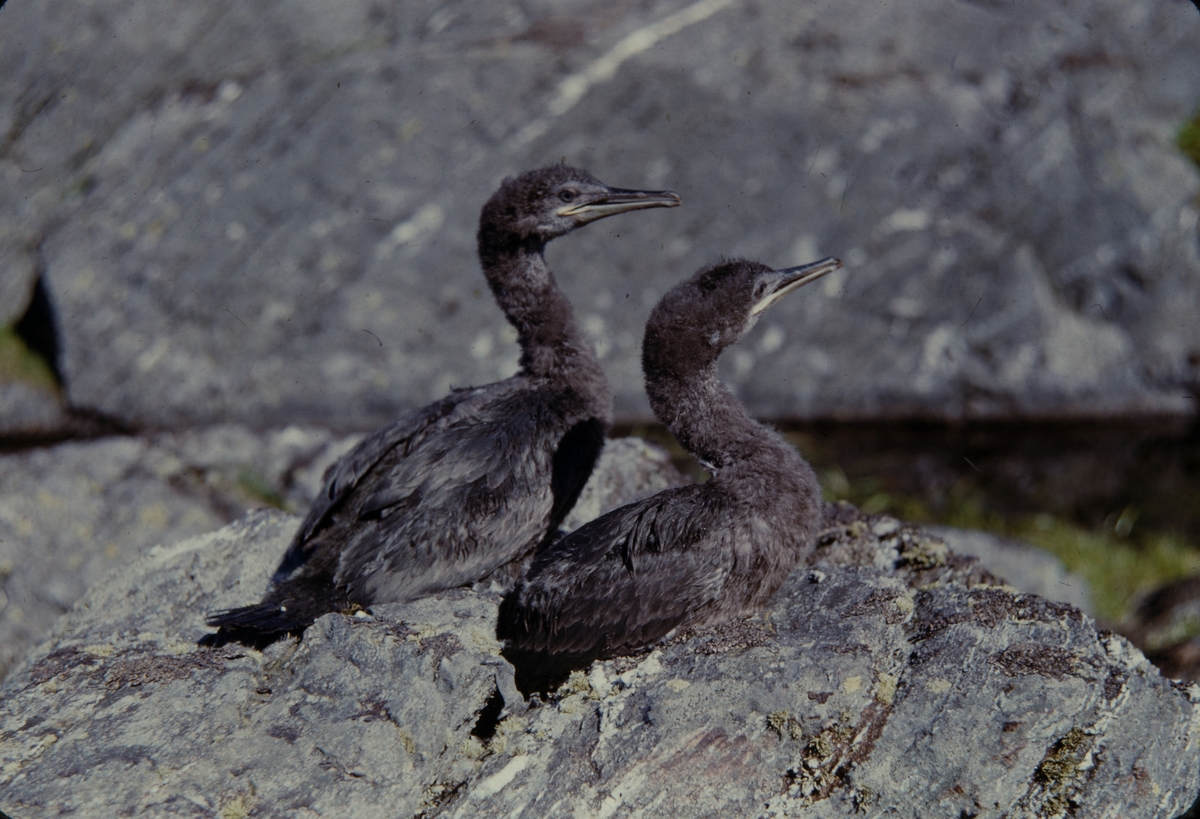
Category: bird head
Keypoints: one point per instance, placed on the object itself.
(550, 202)
(699, 317)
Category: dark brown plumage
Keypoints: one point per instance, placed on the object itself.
(690, 556)
(455, 490)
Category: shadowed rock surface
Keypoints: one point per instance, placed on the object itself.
(30, 409)
(890, 678)
(265, 213)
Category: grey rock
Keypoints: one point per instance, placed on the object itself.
(18, 273)
(72, 512)
(283, 467)
(135, 673)
(267, 215)
(1027, 568)
(69, 514)
(891, 678)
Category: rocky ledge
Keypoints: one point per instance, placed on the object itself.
(889, 677)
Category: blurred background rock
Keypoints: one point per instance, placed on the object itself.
(224, 219)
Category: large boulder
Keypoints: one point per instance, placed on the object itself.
(891, 677)
(265, 212)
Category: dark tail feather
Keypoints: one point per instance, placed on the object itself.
(288, 609)
(264, 618)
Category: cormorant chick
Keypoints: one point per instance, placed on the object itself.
(447, 494)
(691, 556)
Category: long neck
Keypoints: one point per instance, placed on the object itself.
(710, 422)
(552, 345)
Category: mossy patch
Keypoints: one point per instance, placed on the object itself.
(257, 487)
(79, 187)
(821, 746)
(19, 363)
(1187, 140)
(577, 683)
(1058, 772)
(239, 807)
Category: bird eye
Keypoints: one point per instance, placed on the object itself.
(567, 196)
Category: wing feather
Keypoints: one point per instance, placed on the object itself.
(622, 581)
(473, 497)
(397, 439)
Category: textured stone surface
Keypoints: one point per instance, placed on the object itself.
(892, 678)
(185, 731)
(70, 513)
(265, 212)
(1024, 567)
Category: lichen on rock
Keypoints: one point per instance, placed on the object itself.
(872, 682)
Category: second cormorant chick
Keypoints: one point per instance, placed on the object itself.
(447, 494)
(691, 556)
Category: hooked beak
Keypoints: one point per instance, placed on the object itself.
(592, 206)
(793, 278)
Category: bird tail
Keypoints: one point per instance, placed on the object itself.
(263, 618)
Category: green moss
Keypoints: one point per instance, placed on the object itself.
(821, 746)
(257, 487)
(1115, 567)
(19, 363)
(1060, 764)
(922, 553)
(864, 798)
(1188, 139)
(239, 807)
(577, 683)
(1058, 770)
(406, 739)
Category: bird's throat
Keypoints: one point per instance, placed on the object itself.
(552, 344)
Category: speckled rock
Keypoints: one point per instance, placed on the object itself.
(363, 713)
(268, 216)
(890, 678)
(68, 515)
(72, 512)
